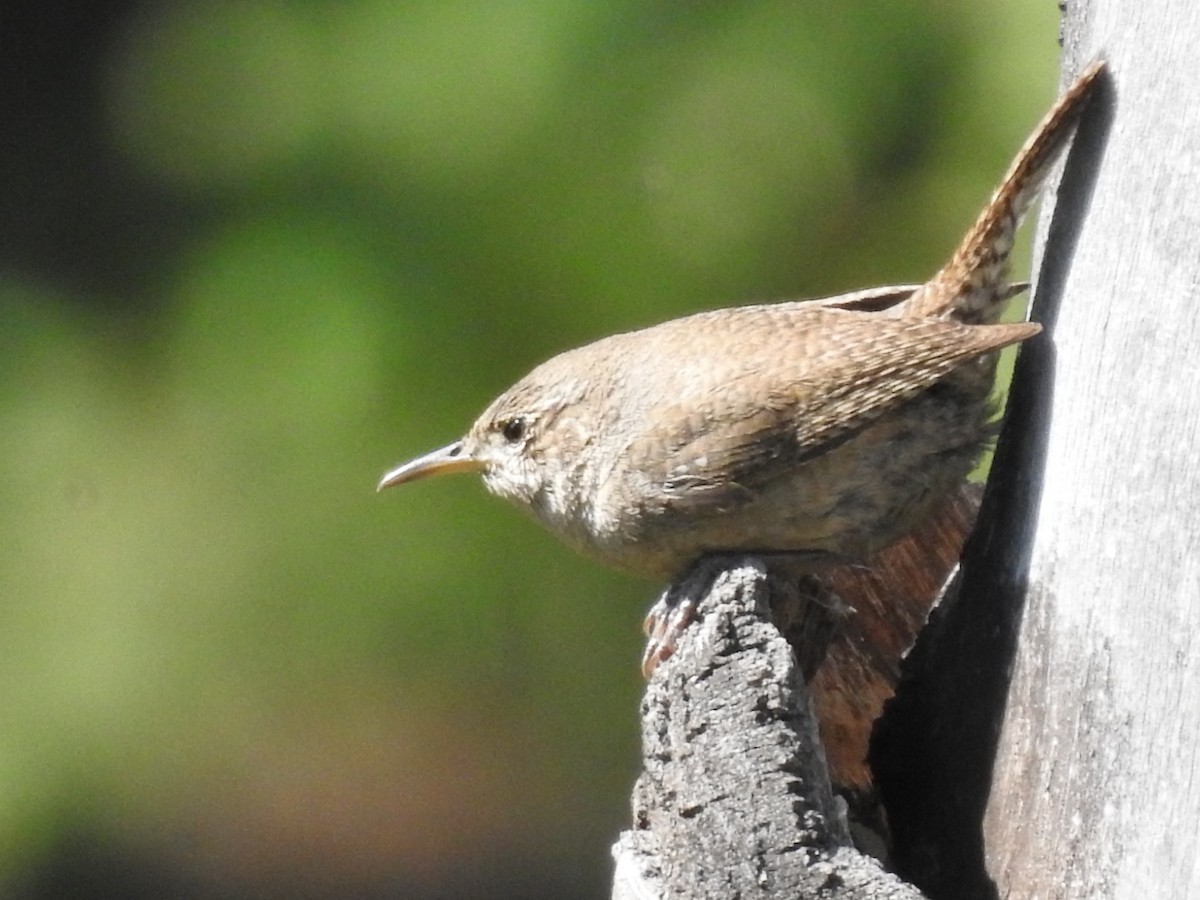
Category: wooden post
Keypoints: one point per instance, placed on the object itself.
(734, 799)
(1097, 778)
(1048, 745)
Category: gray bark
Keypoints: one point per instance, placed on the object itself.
(734, 799)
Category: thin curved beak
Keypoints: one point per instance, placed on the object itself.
(440, 462)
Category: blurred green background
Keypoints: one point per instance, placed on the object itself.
(255, 252)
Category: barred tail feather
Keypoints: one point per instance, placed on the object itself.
(971, 287)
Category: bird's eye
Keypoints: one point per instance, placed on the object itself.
(513, 429)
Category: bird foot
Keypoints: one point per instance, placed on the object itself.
(677, 606)
(665, 622)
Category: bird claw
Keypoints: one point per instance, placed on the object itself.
(665, 622)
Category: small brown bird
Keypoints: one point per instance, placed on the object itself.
(826, 428)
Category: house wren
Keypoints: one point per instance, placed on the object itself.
(824, 428)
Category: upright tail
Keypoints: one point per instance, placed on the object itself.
(972, 287)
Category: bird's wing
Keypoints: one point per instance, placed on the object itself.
(791, 382)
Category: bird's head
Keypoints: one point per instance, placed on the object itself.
(523, 445)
